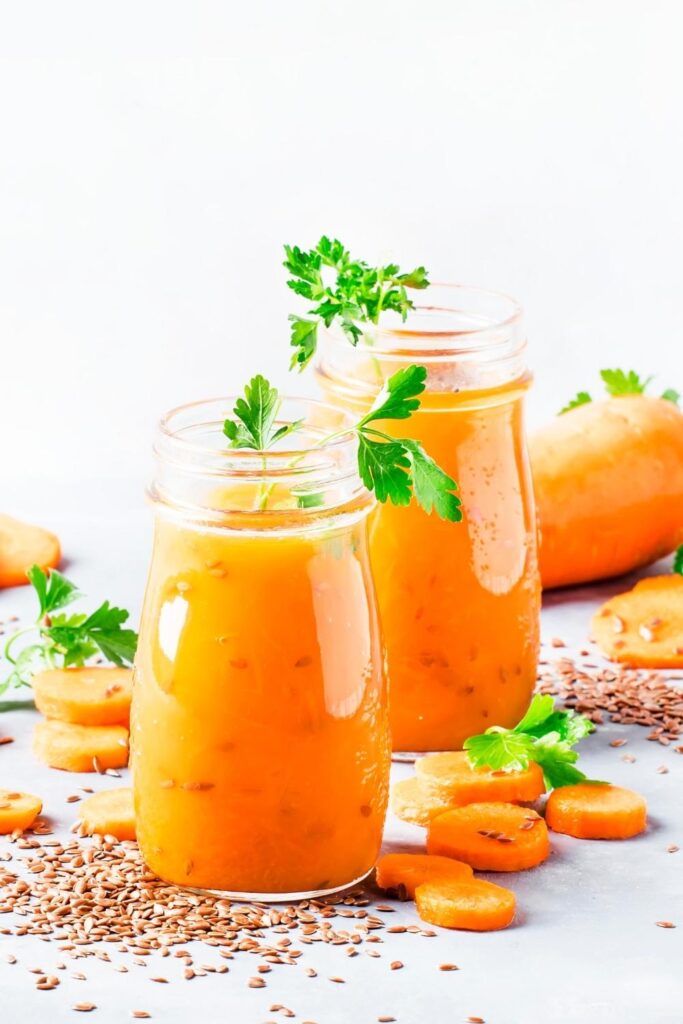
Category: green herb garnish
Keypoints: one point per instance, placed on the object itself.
(581, 398)
(621, 382)
(544, 735)
(396, 469)
(64, 641)
(678, 561)
(256, 413)
(356, 293)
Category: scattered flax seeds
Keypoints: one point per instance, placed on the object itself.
(629, 696)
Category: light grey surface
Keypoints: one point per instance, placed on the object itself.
(585, 946)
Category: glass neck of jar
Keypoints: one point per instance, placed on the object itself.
(468, 339)
(306, 480)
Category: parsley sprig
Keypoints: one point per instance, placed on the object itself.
(66, 640)
(621, 382)
(343, 289)
(395, 468)
(544, 735)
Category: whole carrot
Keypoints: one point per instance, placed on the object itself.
(608, 478)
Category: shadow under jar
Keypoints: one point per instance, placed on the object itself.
(260, 739)
(459, 602)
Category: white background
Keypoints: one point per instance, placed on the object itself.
(155, 156)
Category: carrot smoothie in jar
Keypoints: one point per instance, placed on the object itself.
(260, 742)
(459, 603)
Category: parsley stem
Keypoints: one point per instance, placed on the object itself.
(15, 636)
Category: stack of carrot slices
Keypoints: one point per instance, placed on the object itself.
(87, 715)
(481, 820)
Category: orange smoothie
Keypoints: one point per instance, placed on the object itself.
(459, 603)
(260, 743)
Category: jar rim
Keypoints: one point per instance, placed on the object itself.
(171, 436)
(453, 332)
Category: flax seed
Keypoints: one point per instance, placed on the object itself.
(84, 1007)
(448, 967)
(665, 924)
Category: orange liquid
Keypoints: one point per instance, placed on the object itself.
(259, 723)
(460, 603)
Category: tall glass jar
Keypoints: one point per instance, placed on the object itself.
(260, 742)
(459, 603)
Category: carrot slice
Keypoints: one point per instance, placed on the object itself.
(80, 748)
(490, 836)
(403, 872)
(22, 546)
(644, 627)
(110, 813)
(477, 905)
(85, 696)
(452, 777)
(596, 812)
(411, 801)
(18, 810)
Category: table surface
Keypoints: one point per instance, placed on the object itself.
(585, 946)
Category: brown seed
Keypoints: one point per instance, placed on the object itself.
(256, 983)
(140, 1015)
(448, 967)
(672, 848)
(618, 743)
(665, 924)
(385, 1020)
(6, 739)
(396, 965)
(557, 642)
(475, 1020)
(662, 770)
(338, 981)
(84, 1007)
(160, 981)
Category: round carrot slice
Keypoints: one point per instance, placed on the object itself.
(80, 748)
(85, 696)
(596, 812)
(451, 776)
(18, 810)
(22, 546)
(110, 813)
(643, 627)
(403, 872)
(490, 836)
(477, 905)
(413, 802)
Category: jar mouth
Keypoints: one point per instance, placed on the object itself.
(193, 434)
(310, 472)
(448, 321)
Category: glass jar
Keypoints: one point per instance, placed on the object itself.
(260, 742)
(459, 602)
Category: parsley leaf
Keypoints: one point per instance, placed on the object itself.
(66, 640)
(544, 735)
(54, 590)
(581, 398)
(357, 293)
(384, 468)
(671, 395)
(558, 761)
(618, 382)
(398, 398)
(678, 561)
(500, 750)
(256, 413)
